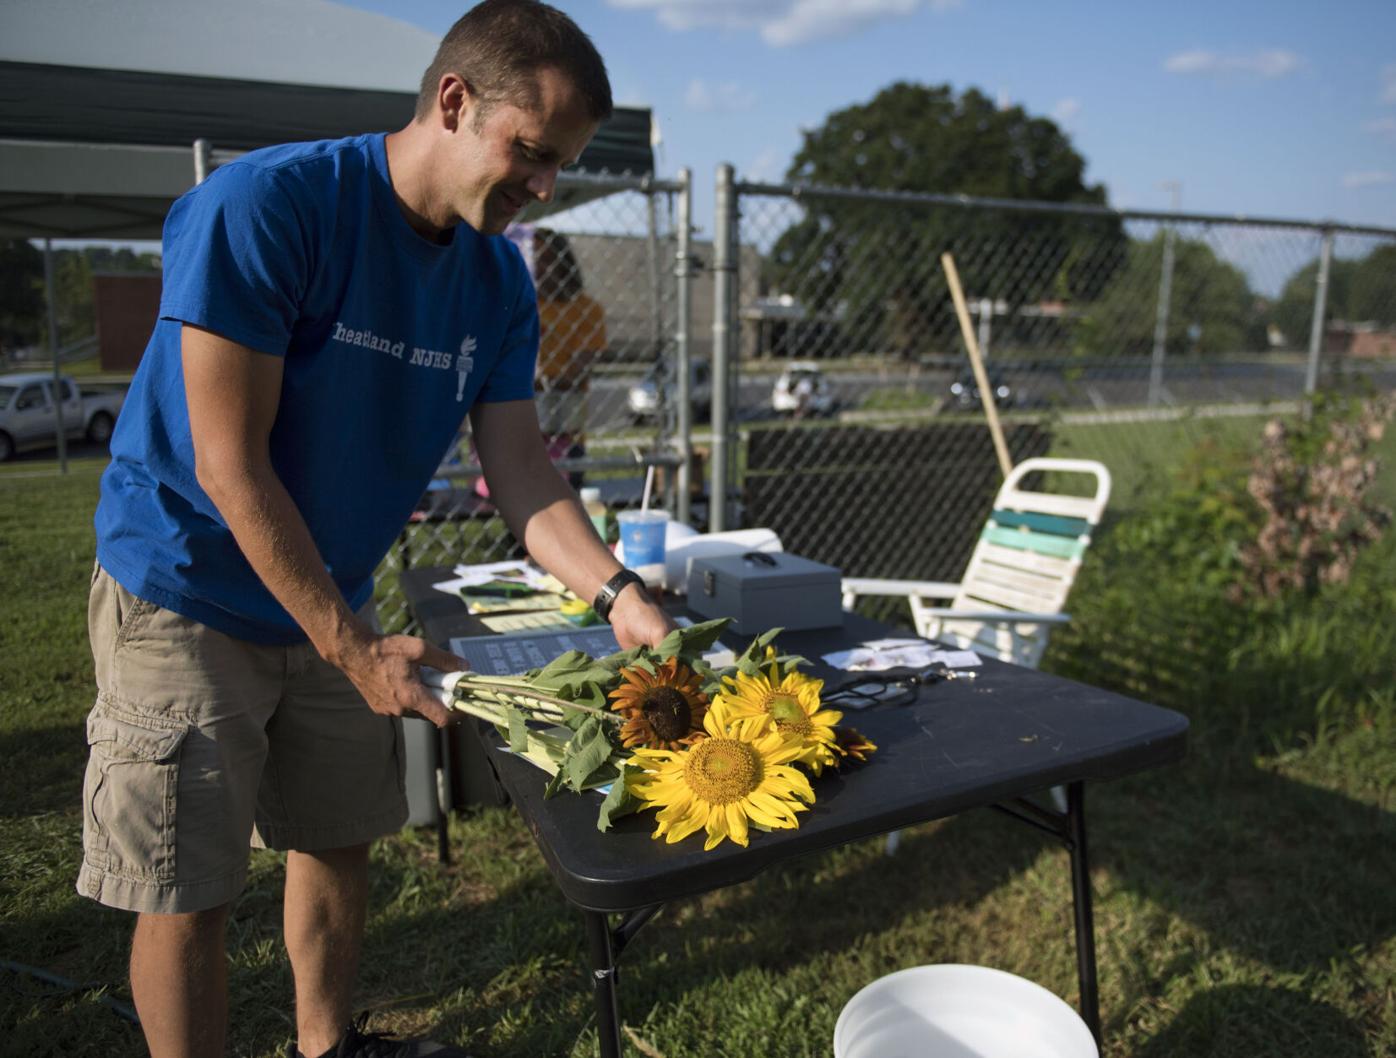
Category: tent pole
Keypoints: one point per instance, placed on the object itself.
(56, 394)
(203, 156)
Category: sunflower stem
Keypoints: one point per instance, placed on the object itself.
(516, 688)
(538, 707)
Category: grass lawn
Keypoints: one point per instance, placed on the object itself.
(1243, 899)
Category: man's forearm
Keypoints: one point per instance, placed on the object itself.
(544, 513)
(559, 536)
(276, 542)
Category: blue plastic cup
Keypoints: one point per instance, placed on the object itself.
(642, 537)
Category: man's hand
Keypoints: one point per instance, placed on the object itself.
(637, 619)
(386, 671)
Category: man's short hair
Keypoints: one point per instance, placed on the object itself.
(498, 47)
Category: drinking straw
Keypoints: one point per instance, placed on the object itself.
(649, 485)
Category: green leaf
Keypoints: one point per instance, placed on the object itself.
(569, 681)
(587, 750)
(689, 643)
(518, 730)
(622, 659)
(593, 693)
(670, 644)
(757, 650)
(575, 718)
(619, 801)
(701, 636)
(555, 785)
(571, 661)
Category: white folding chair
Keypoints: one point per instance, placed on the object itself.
(1018, 578)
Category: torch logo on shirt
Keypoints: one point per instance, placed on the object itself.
(465, 362)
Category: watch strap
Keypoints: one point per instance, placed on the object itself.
(606, 597)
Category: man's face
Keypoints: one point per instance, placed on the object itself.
(511, 156)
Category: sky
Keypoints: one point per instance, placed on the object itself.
(1273, 109)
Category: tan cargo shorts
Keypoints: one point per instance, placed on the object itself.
(201, 744)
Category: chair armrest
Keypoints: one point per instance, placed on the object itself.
(933, 589)
(999, 617)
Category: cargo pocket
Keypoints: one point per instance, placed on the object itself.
(129, 795)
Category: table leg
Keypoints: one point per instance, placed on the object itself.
(603, 983)
(1081, 903)
(441, 772)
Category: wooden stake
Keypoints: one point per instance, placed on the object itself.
(986, 394)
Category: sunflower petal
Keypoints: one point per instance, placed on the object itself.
(736, 823)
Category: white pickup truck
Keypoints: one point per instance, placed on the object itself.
(26, 412)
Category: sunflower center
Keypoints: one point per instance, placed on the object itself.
(787, 712)
(722, 770)
(667, 712)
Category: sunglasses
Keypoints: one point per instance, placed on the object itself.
(877, 689)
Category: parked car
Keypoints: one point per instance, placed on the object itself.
(643, 397)
(964, 391)
(802, 390)
(26, 412)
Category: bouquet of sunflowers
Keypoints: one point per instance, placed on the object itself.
(713, 749)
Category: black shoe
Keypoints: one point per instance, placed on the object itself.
(356, 1043)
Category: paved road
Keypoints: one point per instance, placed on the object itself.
(1099, 387)
(1089, 387)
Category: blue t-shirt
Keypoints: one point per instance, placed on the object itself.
(302, 252)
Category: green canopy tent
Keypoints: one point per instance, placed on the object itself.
(94, 153)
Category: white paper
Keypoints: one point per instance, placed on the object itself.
(877, 655)
(483, 573)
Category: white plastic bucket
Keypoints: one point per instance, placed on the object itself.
(954, 1011)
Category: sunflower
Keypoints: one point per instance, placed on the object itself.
(791, 699)
(742, 772)
(662, 711)
(850, 742)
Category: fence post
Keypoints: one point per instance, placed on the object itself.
(203, 159)
(57, 395)
(724, 297)
(682, 321)
(1316, 328)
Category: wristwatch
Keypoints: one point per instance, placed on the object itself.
(606, 597)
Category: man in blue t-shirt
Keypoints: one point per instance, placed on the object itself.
(331, 312)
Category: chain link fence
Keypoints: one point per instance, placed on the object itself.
(858, 427)
(806, 370)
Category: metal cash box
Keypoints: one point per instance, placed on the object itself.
(760, 590)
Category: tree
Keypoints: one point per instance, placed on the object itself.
(1211, 306)
(72, 279)
(23, 308)
(878, 261)
(1360, 290)
(1372, 296)
(21, 293)
(1293, 312)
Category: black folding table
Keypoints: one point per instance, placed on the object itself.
(960, 744)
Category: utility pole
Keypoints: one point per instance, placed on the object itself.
(1165, 295)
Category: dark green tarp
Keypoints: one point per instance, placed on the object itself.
(101, 153)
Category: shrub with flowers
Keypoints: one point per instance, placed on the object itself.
(721, 750)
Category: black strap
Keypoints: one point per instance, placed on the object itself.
(606, 597)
